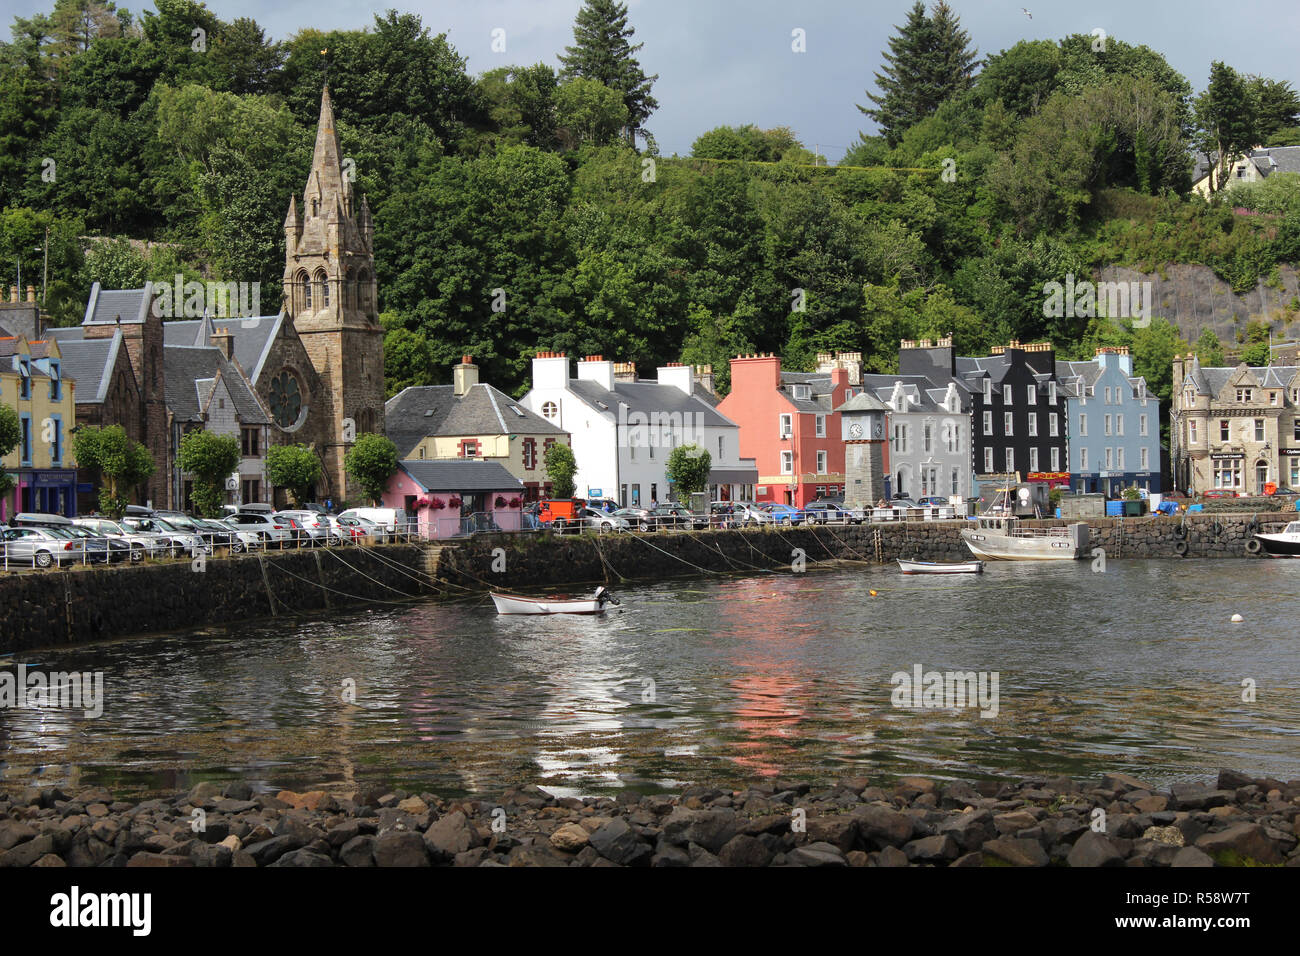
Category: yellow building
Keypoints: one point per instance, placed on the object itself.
(42, 466)
(471, 419)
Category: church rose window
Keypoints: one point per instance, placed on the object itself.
(285, 399)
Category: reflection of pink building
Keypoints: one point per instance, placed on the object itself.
(451, 497)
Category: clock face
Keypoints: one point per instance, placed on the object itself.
(285, 399)
(855, 430)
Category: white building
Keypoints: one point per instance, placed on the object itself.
(624, 430)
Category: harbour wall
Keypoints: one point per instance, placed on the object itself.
(73, 606)
(515, 561)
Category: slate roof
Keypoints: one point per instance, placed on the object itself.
(864, 401)
(110, 305)
(1210, 381)
(647, 398)
(251, 338)
(483, 410)
(89, 362)
(923, 394)
(190, 374)
(459, 474)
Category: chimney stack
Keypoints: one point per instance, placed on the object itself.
(464, 376)
(224, 342)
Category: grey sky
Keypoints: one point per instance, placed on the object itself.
(730, 61)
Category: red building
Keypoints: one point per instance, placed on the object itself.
(788, 424)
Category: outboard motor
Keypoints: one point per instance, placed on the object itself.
(603, 597)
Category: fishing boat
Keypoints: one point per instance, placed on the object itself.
(940, 567)
(519, 604)
(1004, 539)
(1282, 544)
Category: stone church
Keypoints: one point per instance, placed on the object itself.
(312, 374)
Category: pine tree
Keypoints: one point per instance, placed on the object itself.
(601, 51)
(929, 61)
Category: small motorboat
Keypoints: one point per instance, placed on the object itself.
(519, 604)
(1282, 544)
(940, 567)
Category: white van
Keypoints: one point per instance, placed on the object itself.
(391, 520)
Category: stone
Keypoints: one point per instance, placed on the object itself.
(1016, 852)
(1014, 821)
(28, 852)
(13, 832)
(535, 856)
(1248, 841)
(619, 843)
(50, 859)
(267, 852)
(838, 829)
(1196, 796)
(1191, 856)
(413, 805)
(400, 848)
(882, 826)
(569, 838)
(970, 859)
(1122, 782)
(932, 849)
(1092, 850)
(1152, 804)
(710, 829)
(447, 837)
(359, 851)
(303, 858)
(1233, 779)
(969, 830)
(817, 854)
(745, 850)
(158, 860)
(1169, 836)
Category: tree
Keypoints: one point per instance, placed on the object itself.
(1277, 107)
(294, 468)
(560, 466)
(601, 52)
(210, 458)
(687, 470)
(928, 61)
(11, 434)
(372, 461)
(1023, 77)
(1226, 121)
(1209, 350)
(122, 463)
(589, 113)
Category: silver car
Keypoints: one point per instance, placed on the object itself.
(271, 531)
(143, 544)
(40, 547)
(594, 519)
(178, 540)
(746, 514)
(316, 525)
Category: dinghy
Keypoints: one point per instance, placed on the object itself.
(940, 567)
(519, 604)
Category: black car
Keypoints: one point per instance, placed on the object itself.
(679, 517)
(827, 511)
(642, 519)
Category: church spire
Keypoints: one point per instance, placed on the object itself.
(326, 165)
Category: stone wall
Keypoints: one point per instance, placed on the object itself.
(46, 608)
(545, 560)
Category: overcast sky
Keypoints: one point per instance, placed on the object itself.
(731, 62)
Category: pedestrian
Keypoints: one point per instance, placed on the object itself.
(653, 504)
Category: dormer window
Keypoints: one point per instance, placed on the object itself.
(1245, 395)
(803, 392)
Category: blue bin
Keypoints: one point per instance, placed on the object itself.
(1114, 509)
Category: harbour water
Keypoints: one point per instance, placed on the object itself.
(714, 681)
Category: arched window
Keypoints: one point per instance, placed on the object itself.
(363, 290)
(305, 283)
(322, 290)
(350, 290)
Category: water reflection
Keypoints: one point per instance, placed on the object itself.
(718, 681)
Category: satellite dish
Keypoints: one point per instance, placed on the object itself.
(1023, 495)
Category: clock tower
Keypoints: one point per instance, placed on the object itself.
(862, 426)
(329, 295)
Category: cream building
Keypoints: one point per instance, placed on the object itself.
(1234, 429)
(42, 466)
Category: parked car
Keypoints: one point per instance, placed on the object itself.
(747, 514)
(933, 501)
(391, 520)
(178, 541)
(142, 544)
(215, 534)
(642, 519)
(679, 517)
(824, 511)
(316, 524)
(272, 532)
(593, 519)
(607, 505)
(784, 514)
(722, 514)
(40, 547)
(241, 539)
(97, 548)
(183, 522)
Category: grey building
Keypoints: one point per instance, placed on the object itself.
(928, 441)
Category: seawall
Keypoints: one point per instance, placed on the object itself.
(78, 605)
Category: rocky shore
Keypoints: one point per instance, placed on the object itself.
(1236, 821)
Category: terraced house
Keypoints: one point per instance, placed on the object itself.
(471, 420)
(928, 447)
(1234, 430)
(1113, 423)
(33, 385)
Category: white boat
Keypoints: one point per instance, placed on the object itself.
(1004, 539)
(519, 604)
(940, 567)
(1282, 544)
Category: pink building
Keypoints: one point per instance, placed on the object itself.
(451, 497)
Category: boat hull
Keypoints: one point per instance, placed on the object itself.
(1002, 547)
(1279, 545)
(932, 567)
(517, 604)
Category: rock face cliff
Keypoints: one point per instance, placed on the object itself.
(1194, 298)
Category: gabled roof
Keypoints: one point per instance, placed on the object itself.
(251, 338)
(90, 363)
(416, 413)
(190, 372)
(110, 306)
(647, 398)
(459, 474)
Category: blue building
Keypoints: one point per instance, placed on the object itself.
(1113, 425)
